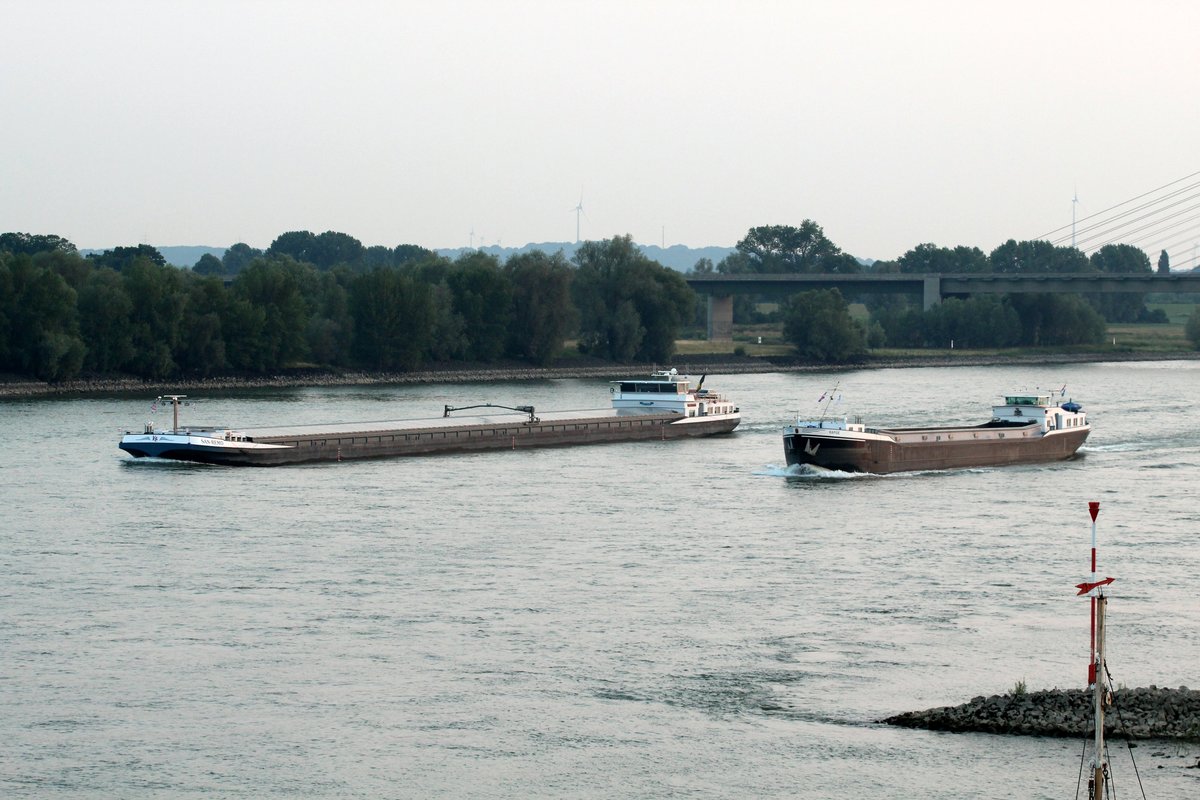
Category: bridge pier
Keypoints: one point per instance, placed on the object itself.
(932, 291)
(720, 318)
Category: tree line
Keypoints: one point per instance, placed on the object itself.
(326, 300)
(319, 300)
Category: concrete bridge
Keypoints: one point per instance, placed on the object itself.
(932, 287)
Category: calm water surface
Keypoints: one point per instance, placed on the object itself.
(676, 619)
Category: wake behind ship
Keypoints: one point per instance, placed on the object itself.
(665, 406)
(1028, 428)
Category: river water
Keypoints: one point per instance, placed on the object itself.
(664, 619)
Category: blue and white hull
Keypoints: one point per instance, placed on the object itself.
(202, 446)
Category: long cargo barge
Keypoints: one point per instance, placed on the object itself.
(1024, 429)
(665, 406)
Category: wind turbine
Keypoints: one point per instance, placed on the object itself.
(578, 211)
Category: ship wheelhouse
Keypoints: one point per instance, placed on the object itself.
(1041, 409)
(667, 390)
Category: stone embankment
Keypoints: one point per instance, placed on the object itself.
(296, 378)
(714, 364)
(1148, 713)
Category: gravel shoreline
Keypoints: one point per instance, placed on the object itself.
(15, 387)
(1146, 713)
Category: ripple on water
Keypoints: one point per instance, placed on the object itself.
(618, 621)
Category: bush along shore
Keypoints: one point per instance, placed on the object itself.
(1147, 713)
(18, 387)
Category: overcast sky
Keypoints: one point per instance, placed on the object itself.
(678, 122)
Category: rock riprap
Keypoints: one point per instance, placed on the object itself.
(1146, 713)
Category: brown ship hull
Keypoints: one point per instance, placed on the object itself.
(938, 450)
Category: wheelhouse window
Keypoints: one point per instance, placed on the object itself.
(650, 388)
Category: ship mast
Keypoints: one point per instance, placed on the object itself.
(832, 393)
(174, 398)
(1094, 589)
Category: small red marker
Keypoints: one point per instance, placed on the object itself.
(1084, 588)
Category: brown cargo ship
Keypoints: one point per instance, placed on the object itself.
(1027, 428)
(665, 406)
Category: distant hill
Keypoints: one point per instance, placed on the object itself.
(184, 256)
(677, 256)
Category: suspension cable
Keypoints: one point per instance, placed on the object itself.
(1125, 202)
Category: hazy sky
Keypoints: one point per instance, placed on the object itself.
(888, 123)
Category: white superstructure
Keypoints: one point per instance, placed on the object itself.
(667, 390)
(1041, 408)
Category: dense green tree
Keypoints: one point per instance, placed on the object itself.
(277, 286)
(481, 294)
(840, 263)
(784, 248)
(297, 245)
(119, 258)
(1191, 328)
(105, 314)
(377, 256)
(781, 249)
(40, 321)
(8, 298)
(71, 267)
(664, 303)
(631, 308)
(983, 321)
(1057, 319)
(1036, 256)
(208, 264)
(331, 248)
(735, 263)
(542, 312)
(156, 318)
(238, 257)
(325, 251)
(703, 266)
(903, 325)
(447, 330)
(331, 327)
(202, 349)
(929, 258)
(31, 244)
(392, 315)
(1125, 259)
(242, 326)
(625, 332)
(818, 324)
(432, 269)
(1164, 263)
(404, 254)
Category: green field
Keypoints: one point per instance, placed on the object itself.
(767, 340)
